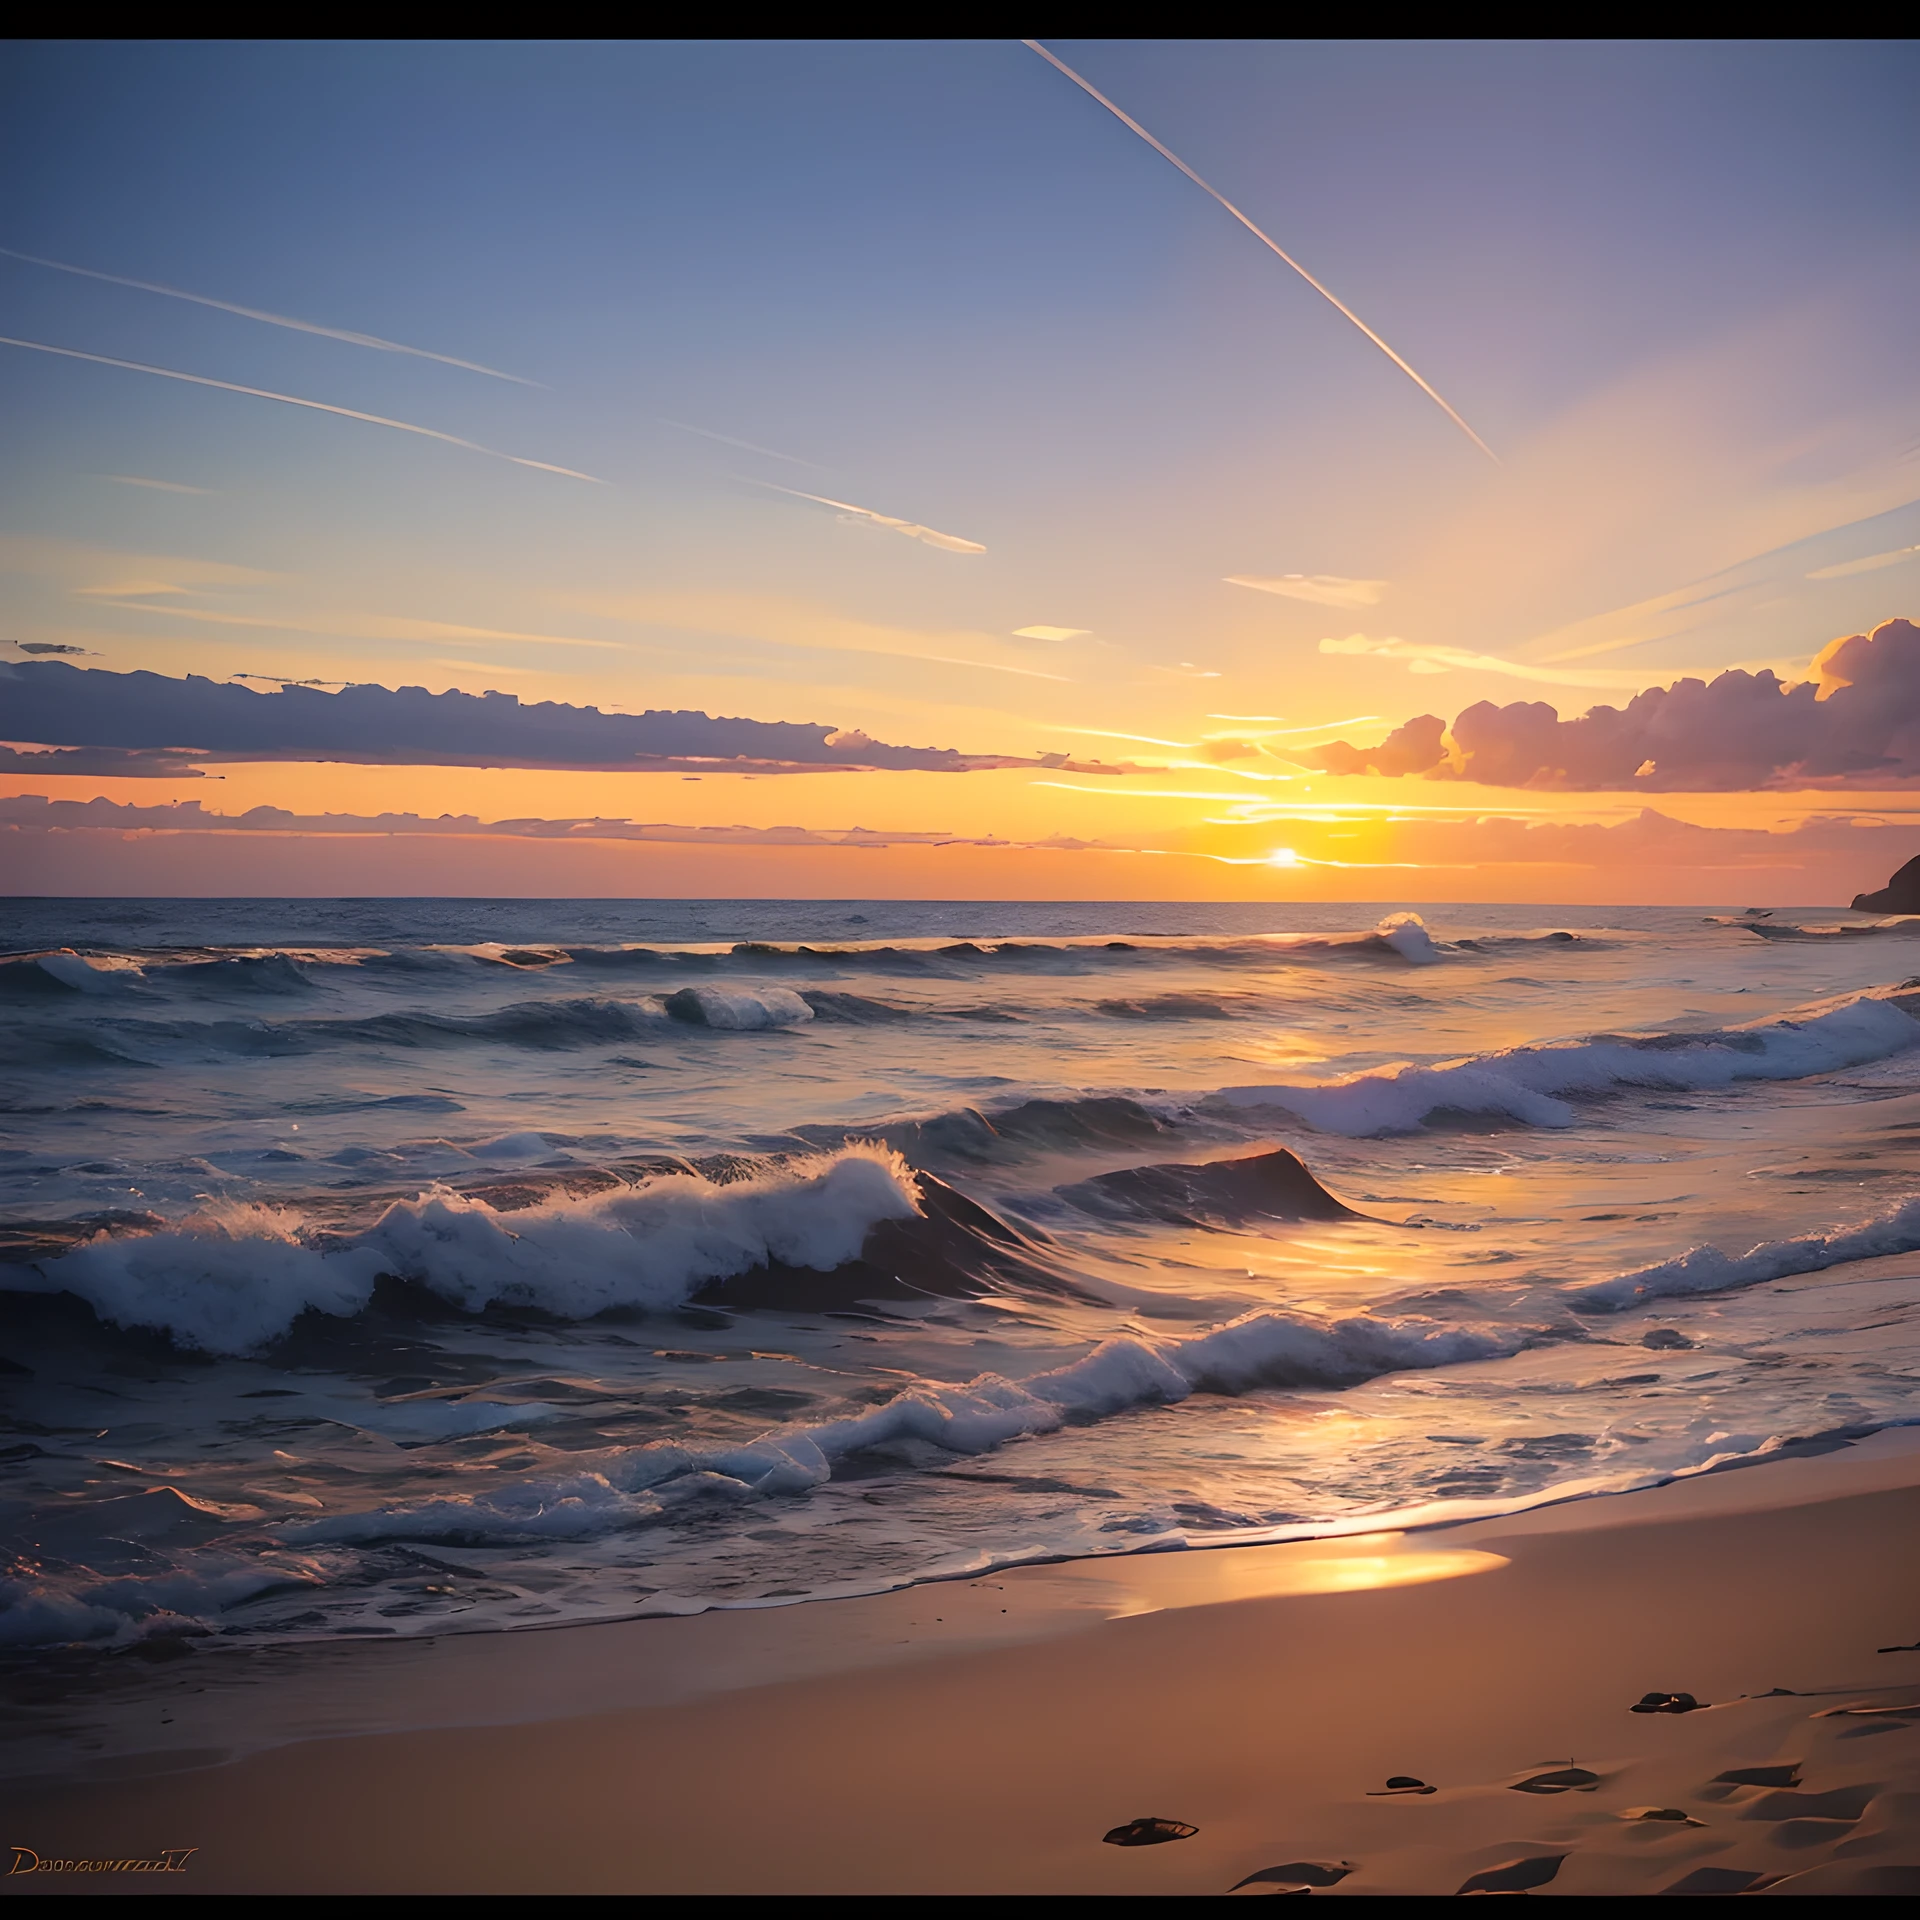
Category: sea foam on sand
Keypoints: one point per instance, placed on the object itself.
(1050, 1705)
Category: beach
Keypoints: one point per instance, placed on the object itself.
(981, 1736)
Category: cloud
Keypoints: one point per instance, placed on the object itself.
(1422, 657)
(269, 319)
(1855, 722)
(928, 536)
(80, 567)
(1141, 739)
(1871, 564)
(116, 763)
(46, 646)
(293, 400)
(771, 620)
(1412, 748)
(35, 811)
(1322, 589)
(1051, 633)
(48, 703)
(352, 626)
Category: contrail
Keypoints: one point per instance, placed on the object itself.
(1266, 240)
(271, 319)
(746, 446)
(911, 528)
(294, 400)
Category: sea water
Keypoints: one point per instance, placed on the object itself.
(398, 1267)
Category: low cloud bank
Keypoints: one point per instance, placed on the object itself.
(35, 812)
(162, 726)
(1855, 722)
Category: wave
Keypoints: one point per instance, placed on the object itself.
(51, 1611)
(1709, 1270)
(1844, 931)
(1400, 937)
(745, 1012)
(972, 1136)
(1165, 1006)
(629, 1487)
(542, 1025)
(272, 973)
(1536, 1085)
(854, 1009)
(234, 1279)
(30, 976)
(1267, 1186)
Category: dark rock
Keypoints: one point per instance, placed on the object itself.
(1401, 1783)
(1901, 894)
(1148, 1832)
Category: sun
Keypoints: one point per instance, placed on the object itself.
(1283, 857)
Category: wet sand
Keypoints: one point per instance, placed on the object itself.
(982, 1736)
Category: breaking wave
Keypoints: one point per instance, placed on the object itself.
(627, 1487)
(1536, 1085)
(236, 1279)
(1709, 1270)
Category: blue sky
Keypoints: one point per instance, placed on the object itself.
(1672, 284)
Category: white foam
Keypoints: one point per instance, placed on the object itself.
(1407, 935)
(234, 1278)
(628, 1487)
(1532, 1084)
(85, 975)
(225, 1281)
(512, 1146)
(1709, 1270)
(55, 1608)
(738, 1008)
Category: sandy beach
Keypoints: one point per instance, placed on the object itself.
(983, 1736)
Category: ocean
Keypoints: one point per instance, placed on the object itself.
(399, 1267)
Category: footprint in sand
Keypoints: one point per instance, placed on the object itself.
(1297, 1876)
(1722, 1880)
(1841, 1805)
(1561, 1780)
(1785, 1775)
(1673, 1816)
(1148, 1832)
(1400, 1783)
(1666, 1703)
(1514, 1876)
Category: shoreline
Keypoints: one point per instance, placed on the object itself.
(988, 1731)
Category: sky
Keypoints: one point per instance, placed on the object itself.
(905, 394)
